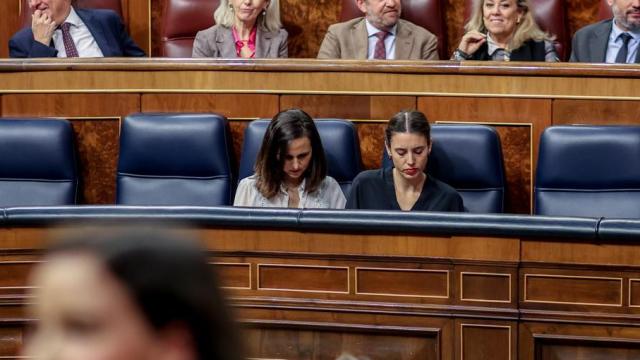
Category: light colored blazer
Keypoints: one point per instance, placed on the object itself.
(217, 42)
(349, 40)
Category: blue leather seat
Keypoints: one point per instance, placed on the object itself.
(469, 158)
(339, 139)
(174, 159)
(589, 171)
(38, 164)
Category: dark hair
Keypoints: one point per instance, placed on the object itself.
(286, 126)
(170, 281)
(410, 121)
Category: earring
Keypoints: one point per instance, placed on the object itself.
(264, 12)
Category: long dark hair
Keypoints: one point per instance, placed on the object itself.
(170, 281)
(286, 126)
(408, 121)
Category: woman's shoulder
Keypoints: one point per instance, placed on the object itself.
(248, 181)
(211, 31)
(370, 176)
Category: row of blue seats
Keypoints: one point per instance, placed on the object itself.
(186, 159)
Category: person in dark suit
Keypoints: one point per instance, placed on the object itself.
(406, 186)
(610, 41)
(59, 30)
(245, 29)
(504, 30)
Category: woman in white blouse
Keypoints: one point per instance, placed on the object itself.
(291, 170)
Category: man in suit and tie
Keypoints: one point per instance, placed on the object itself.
(380, 34)
(59, 30)
(610, 41)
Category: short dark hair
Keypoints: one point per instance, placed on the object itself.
(408, 121)
(285, 126)
(170, 281)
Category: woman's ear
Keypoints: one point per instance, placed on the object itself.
(429, 147)
(387, 149)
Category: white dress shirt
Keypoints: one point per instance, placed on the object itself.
(615, 43)
(327, 196)
(82, 38)
(389, 41)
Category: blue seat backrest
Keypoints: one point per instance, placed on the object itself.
(589, 171)
(469, 158)
(339, 139)
(174, 159)
(38, 165)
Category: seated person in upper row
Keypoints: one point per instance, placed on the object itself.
(504, 30)
(291, 170)
(406, 186)
(612, 41)
(60, 30)
(380, 34)
(245, 29)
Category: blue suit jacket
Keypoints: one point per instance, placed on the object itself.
(105, 26)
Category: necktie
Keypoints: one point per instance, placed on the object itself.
(69, 46)
(621, 58)
(380, 52)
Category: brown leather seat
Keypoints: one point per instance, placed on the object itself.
(427, 13)
(182, 19)
(115, 5)
(551, 16)
(605, 11)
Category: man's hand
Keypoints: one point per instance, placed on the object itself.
(43, 27)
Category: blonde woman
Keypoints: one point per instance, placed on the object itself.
(244, 29)
(504, 30)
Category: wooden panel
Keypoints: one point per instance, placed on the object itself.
(9, 23)
(234, 275)
(230, 105)
(402, 282)
(139, 22)
(580, 253)
(328, 341)
(70, 105)
(634, 292)
(349, 106)
(98, 144)
(578, 290)
(485, 287)
(586, 349)
(575, 341)
(595, 112)
(303, 278)
(11, 339)
(13, 277)
(516, 155)
(485, 342)
(371, 136)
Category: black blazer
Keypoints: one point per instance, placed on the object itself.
(531, 50)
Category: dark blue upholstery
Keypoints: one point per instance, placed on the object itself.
(589, 171)
(174, 159)
(37, 163)
(339, 139)
(298, 220)
(469, 158)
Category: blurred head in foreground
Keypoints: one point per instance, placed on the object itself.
(128, 295)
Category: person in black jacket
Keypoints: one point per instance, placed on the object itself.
(406, 186)
(504, 30)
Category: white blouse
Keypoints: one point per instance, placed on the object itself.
(327, 196)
